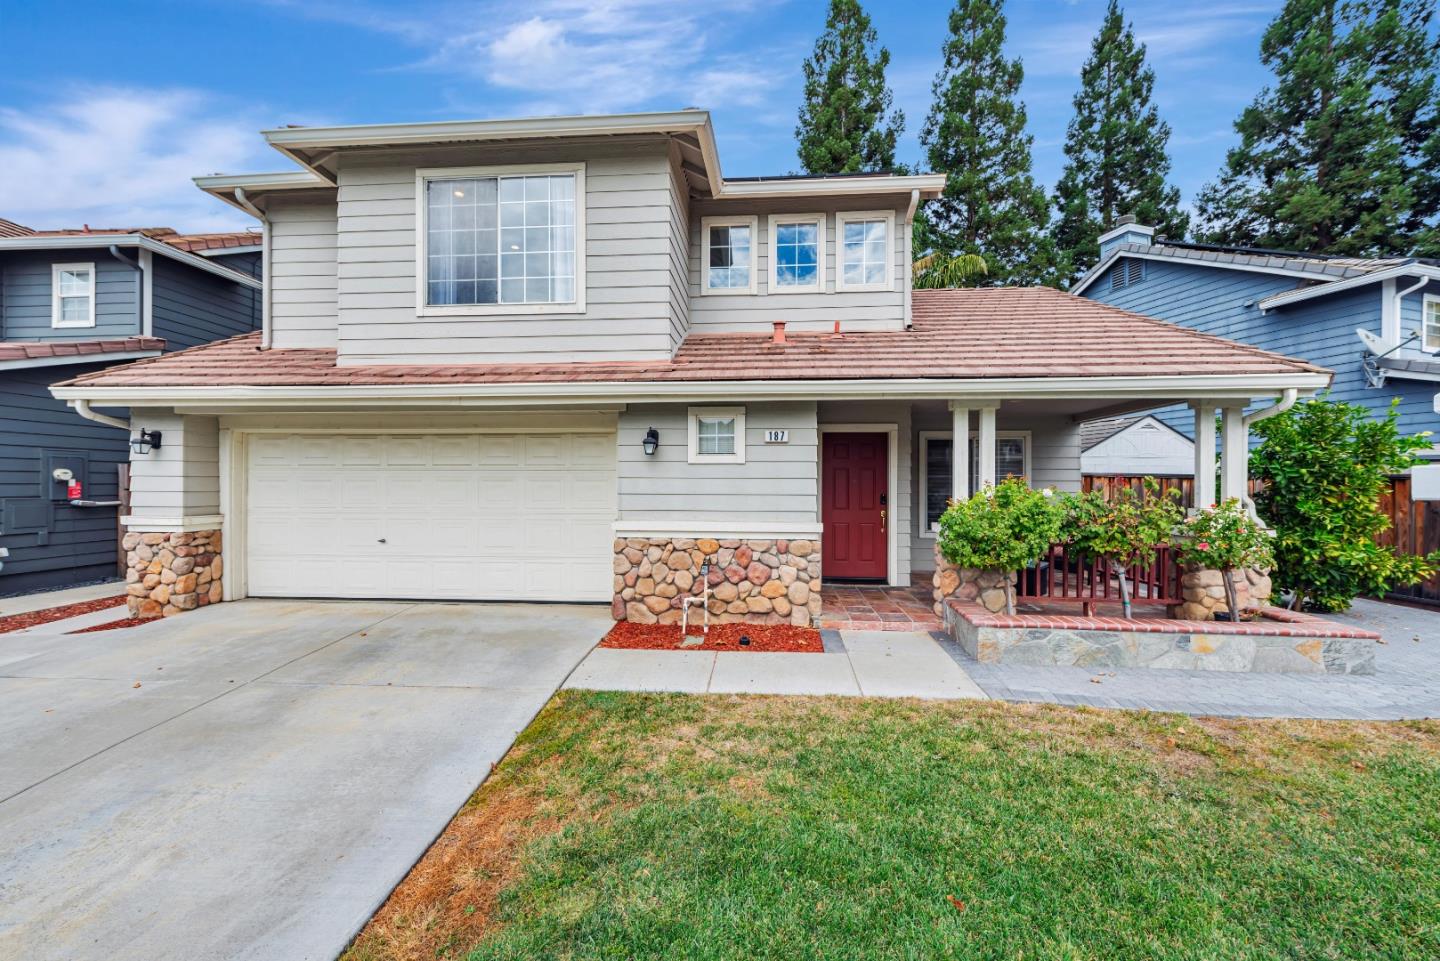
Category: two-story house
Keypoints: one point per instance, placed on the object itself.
(1374, 322)
(568, 359)
(77, 301)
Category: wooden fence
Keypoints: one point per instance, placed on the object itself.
(1059, 578)
(1414, 525)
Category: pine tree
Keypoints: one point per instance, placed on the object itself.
(975, 134)
(846, 125)
(1339, 155)
(1116, 161)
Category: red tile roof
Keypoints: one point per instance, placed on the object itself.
(169, 235)
(958, 334)
(25, 350)
(9, 228)
(198, 242)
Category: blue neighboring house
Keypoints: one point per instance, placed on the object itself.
(74, 301)
(1374, 322)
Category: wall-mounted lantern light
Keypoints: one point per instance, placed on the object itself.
(652, 442)
(145, 441)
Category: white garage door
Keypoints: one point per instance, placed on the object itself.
(475, 516)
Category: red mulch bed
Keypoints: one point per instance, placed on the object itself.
(722, 637)
(115, 625)
(18, 622)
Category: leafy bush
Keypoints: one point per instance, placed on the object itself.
(1125, 528)
(1226, 539)
(1324, 465)
(1002, 528)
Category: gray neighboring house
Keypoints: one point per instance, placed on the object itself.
(567, 359)
(1135, 446)
(74, 302)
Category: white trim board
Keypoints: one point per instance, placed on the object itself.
(892, 481)
(740, 528)
(95, 241)
(173, 525)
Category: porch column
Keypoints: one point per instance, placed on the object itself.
(959, 451)
(1234, 453)
(1204, 453)
(985, 441)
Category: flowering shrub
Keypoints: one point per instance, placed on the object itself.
(1225, 538)
(1001, 528)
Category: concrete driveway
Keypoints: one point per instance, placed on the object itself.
(251, 780)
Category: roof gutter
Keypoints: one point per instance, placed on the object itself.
(82, 407)
(267, 332)
(1287, 401)
(1350, 283)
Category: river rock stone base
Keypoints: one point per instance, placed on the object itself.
(986, 588)
(1303, 647)
(168, 574)
(751, 581)
(1204, 593)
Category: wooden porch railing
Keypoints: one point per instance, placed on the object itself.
(1060, 578)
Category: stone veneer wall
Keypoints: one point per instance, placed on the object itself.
(170, 573)
(753, 581)
(986, 588)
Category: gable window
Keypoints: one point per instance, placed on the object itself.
(72, 295)
(1012, 459)
(502, 240)
(717, 435)
(728, 255)
(797, 253)
(866, 260)
(1430, 318)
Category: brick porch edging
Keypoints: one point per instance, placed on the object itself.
(1292, 643)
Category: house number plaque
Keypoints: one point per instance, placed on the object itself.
(777, 436)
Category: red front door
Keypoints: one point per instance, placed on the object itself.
(855, 505)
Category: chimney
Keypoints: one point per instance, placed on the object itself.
(1127, 230)
(779, 339)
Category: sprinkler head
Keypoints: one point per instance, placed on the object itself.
(744, 640)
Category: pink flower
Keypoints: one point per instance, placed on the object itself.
(1203, 545)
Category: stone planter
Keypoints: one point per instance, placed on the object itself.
(986, 588)
(169, 574)
(1203, 591)
(751, 581)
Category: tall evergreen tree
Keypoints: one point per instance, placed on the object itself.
(1116, 161)
(975, 134)
(846, 124)
(1338, 156)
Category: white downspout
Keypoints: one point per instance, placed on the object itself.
(909, 248)
(1287, 400)
(82, 407)
(1399, 304)
(266, 329)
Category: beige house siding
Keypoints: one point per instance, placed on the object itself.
(302, 273)
(629, 313)
(869, 310)
(182, 478)
(678, 240)
(778, 483)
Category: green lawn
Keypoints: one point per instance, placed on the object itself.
(676, 827)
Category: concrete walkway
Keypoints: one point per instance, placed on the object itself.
(859, 663)
(43, 600)
(251, 780)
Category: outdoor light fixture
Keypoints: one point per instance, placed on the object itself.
(652, 442)
(145, 441)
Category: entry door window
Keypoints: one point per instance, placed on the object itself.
(1012, 459)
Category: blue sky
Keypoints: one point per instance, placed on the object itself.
(107, 110)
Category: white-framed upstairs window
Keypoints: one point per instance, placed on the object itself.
(72, 301)
(1430, 322)
(866, 258)
(717, 435)
(797, 253)
(727, 255)
(500, 240)
(1012, 459)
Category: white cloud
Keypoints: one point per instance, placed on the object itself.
(122, 157)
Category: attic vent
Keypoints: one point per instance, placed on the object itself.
(1128, 272)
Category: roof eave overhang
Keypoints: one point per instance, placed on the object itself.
(1350, 283)
(1324, 280)
(314, 148)
(1159, 388)
(223, 186)
(929, 185)
(71, 360)
(84, 241)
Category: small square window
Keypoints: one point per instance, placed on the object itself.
(717, 435)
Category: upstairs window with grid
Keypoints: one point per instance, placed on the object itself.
(500, 240)
(1431, 321)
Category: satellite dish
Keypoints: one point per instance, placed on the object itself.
(1372, 342)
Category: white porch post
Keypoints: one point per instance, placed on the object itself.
(959, 451)
(1204, 453)
(985, 441)
(1234, 453)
